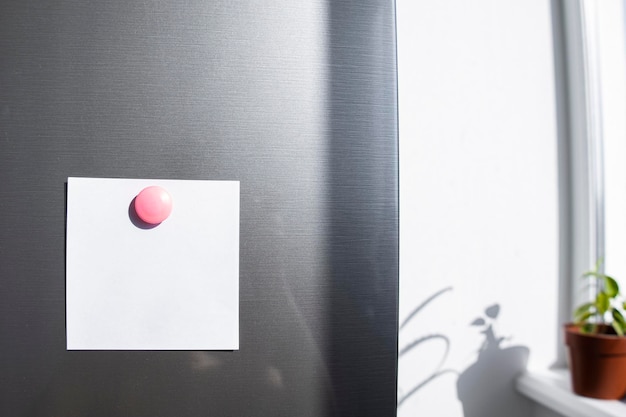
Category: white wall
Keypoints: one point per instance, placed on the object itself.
(478, 193)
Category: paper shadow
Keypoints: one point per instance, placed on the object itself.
(134, 218)
(487, 387)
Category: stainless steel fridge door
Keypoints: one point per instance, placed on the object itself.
(294, 99)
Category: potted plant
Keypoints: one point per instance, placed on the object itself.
(596, 342)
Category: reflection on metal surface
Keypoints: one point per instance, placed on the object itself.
(274, 377)
(204, 361)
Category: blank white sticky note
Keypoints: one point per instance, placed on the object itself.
(174, 286)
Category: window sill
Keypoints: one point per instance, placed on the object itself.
(552, 390)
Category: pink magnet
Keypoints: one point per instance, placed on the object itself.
(153, 204)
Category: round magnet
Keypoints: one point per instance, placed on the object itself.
(153, 204)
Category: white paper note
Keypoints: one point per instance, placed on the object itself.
(174, 286)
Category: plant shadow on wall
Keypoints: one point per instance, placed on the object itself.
(403, 396)
(487, 387)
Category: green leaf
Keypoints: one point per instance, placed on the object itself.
(588, 328)
(619, 324)
(584, 317)
(599, 263)
(602, 303)
(610, 286)
(583, 309)
(595, 272)
(624, 305)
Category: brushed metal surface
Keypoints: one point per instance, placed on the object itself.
(297, 100)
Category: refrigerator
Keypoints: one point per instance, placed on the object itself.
(295, 100)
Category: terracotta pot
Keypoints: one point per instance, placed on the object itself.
(597, 363)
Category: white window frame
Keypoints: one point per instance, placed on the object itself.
(591, 100)
(590, 66)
